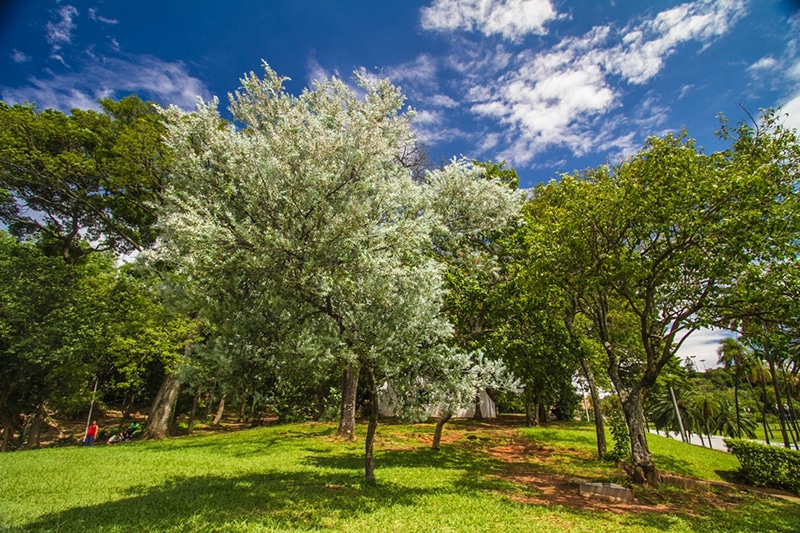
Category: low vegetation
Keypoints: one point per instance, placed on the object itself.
(767, 466)
(493, 476)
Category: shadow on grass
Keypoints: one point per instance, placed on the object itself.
(325, 498)
(281, 500)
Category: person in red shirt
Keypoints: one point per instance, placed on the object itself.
(91, 433)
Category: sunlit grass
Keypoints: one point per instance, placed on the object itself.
(301, 478)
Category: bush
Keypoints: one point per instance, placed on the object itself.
(767, 466)
(622, 438)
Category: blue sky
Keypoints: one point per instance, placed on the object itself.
(549, 86)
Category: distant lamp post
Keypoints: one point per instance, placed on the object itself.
(694, 363)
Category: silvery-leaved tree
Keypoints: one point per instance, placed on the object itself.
(304, 201)
(443, 381)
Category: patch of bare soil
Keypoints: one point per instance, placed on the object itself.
(526, 464)
(65, 432)
(552, 488)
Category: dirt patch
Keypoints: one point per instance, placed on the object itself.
(66, 432)
(531, 465)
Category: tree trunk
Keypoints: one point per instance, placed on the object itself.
(781, 412)
(8, 432)
(129, 406)
(528, 412)
(792, 413)
(242, 407)
(437, 433)
(347, 419)
(220, 410)
(193, 414)
(599, 428)
(644, 469)
(763, 409)
(736, 405)
(34, 430)
(369, 466)
(478, 414)
(537, 419)
(163, 409)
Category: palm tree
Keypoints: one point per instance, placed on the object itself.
(734, 425)
(662, 413)
(732, 353)
(704, 408)
(759, 373)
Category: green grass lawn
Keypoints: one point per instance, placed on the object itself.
(300, 478)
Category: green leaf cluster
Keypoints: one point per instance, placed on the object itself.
(767, 466)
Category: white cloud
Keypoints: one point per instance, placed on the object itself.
(19, 57)
(428, 118)
(442, 100)
(765, 63)
(686, 89)
(421, 72)
(149, 77)
(316, 72)
(99, 18)
(701, 346)
(644, 47)
(792, 108)
(513, 19)
(556, 97)
(59, 33)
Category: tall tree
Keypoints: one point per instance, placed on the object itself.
(82, 182)
(731, 355)
(309, 206)
(662, 237)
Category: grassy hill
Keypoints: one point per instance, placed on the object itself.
(488, 477)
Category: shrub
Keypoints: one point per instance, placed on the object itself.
(622, 439)
(767, 466)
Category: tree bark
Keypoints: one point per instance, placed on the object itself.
(528, 411)
(163, 408)
(34, 430)
(193, 414)
(437, 432)
(129, 406)
(8, 432)
(242, 408)
(763, 408)
(537, 411)
(478, 414)
(736, 404)
(220, 410)
(347, 419)
(644, 469)
(778, 401)
(369, 466)
(599, 427)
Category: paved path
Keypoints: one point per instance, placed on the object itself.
(717, 442)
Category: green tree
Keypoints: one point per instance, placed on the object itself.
(662, 237)
(703, 410)
(82, 182)
(731, 355)
(53, 325)
(308, 205)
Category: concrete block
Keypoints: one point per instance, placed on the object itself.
(607, 491)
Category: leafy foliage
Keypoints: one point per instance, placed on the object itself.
(767, 466)
(82, 182)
